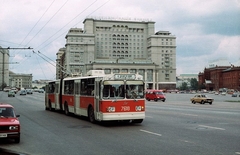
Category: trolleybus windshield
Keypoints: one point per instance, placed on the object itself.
(121, 90)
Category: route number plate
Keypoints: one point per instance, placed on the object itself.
(125, 108)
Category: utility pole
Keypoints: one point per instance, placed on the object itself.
(3, 69)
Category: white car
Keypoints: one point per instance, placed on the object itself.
(23, 92)
(41, 91)
(223, 93)
(29, 91)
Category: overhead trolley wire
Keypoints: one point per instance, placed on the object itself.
(37, 23)
(57, 64)
(63, 34)
(48, 21)
(66, 25)
(40, 66)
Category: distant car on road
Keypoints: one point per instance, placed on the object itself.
(29, 91)
(9, 123)
(202, 99)
(234, 95)
(15, 90)
(41, 91)
(11, 93)
(155, 95)
(23, 92)
(7, 89)
(223, 93)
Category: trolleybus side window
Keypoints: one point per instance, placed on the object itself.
(50, 87)
(69, 87)
(87, 86)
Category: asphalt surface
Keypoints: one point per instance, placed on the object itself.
(173, 127)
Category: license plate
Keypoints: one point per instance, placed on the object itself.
(2, 135)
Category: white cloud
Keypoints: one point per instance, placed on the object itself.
(229, 47)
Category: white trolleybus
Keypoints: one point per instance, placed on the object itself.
(99, 96)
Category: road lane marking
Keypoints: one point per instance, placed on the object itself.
(150, 132)
(188, 114)
(212, 127)
(186, 141)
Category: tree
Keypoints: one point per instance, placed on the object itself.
(194, 83)
(184, 86)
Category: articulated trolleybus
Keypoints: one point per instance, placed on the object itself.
(99, 96)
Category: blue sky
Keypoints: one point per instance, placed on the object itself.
(206, 30)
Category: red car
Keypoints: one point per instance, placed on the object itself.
(9, 123)
(155, 95)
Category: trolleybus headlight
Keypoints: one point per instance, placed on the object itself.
(111, 109)
(138, 108)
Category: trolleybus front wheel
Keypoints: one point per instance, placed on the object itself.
(91, 116)
(66, 111)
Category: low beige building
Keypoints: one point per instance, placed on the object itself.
(20, 80)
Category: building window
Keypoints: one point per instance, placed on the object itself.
(115, 70)
(107, 71)
(124, 70)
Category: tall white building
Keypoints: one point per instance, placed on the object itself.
(4, 67)
(121, 46)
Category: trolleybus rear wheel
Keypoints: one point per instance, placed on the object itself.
(66, 111)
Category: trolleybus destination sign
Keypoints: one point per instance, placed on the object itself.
(125, 76)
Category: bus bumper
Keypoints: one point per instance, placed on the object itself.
(120, 116)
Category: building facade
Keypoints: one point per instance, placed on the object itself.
(218, 77)
(20, 80)
(120, 46)
(59, 63)
(4, 67)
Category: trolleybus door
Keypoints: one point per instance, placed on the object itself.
(77, 97)
(56, 96)
(96, 96)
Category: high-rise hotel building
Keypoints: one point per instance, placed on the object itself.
(120, 46)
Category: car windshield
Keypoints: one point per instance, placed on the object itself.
(159, 92)
(6, 112)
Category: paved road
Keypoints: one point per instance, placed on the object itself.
(173, 127)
